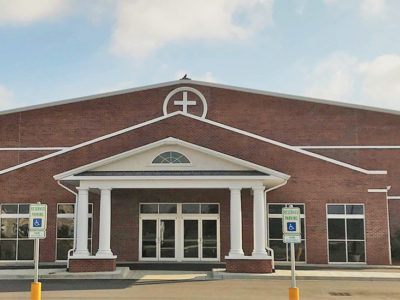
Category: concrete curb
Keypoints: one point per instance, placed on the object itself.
(220, 275)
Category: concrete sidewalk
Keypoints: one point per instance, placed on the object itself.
(215, 274)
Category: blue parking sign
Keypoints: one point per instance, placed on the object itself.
(37, 223)
(291, 226)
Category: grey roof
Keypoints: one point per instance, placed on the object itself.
(174, 173)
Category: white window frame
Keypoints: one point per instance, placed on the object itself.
(15, 216)
(171, 164)
(344, 217)
(179, 217)
(72, 216)
(279, 216)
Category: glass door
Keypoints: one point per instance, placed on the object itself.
(166, 239)
(191, 239)
(209, 239)
(149, 239)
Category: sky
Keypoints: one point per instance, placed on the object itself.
(342, 50)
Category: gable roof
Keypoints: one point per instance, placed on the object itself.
(172, 141)
(201, 83)
(239, 131)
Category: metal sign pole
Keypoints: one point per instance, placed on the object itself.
(293, 265)
(36, 280)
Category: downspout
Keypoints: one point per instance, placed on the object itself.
(265, 221)
(75, 210)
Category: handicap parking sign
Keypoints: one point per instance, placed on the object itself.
(37, 223)
(291, 226)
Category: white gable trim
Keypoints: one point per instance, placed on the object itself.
(203, 83)
(347, 147)
(171, 141)
(233, 129)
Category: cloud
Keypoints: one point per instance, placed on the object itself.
(332, 78)
(6, 98)
(372, 8)
(367, 8)
(381, 80)
(27, 11)
(144, 26)
(345, 78)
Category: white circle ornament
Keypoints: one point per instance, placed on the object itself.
(184, 102)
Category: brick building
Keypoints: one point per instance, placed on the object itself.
(190, 171)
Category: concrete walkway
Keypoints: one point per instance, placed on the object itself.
(215, 274)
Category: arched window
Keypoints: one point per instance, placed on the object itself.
(171, 157)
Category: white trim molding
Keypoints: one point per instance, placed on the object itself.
(377, 190)
(233, 129)
(393, 197)
(348, 147)
(33, 149)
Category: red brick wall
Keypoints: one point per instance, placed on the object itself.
(292, 121)
(249, 266)
(313, 181)
(92, 265)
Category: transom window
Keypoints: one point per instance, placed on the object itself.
(275, 235)
(346, 236)
(14, 241)
(171, 157)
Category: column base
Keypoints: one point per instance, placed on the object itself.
(82, 253)
(260, 255)
(105, 254)
(92, 264)
(249, 264)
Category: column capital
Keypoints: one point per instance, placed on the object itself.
(235, 188)
(107, 188)
(258, 188)
(82, 189)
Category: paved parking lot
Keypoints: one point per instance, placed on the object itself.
(218, 289)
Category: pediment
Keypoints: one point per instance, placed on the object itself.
(199, 159)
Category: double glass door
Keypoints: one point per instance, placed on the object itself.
(158, 239)
(200, 240)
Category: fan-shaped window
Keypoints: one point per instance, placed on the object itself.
(171, 157)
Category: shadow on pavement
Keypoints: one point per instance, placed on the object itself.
(71, 284)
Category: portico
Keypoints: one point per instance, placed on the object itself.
(229, 173)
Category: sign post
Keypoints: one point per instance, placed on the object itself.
(37, 230)
(291, 229)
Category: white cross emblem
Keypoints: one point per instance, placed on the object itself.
(184, 102)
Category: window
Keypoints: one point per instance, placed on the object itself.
(14, 241)
(65, 229)
(346, 238)
(171, 157)
(275, 235)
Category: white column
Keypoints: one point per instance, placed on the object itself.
(82, 223)
(105, 223)
(236, 224)
(259, 222)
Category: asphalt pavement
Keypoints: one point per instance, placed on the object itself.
(206, 289)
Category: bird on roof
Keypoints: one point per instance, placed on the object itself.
(185, 77)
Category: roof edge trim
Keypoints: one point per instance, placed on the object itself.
(204, 83)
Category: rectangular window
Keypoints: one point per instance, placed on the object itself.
(346, 237)
(275, 235)
(187, 208)
(65, 229)
(14, 242)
